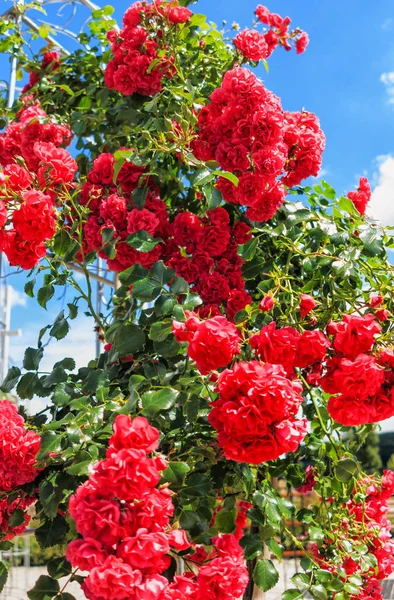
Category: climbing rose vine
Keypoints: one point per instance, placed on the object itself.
(247, 333)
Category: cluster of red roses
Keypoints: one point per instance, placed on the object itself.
(256, 46)
(18, 451)
(201, 250)
(365, 522)
(50, 62)
(255, 412)
(363, 382)
(137, 67)
(124, 521)
(35, 170)
(112, 211)
(246, 131)
(204, 252)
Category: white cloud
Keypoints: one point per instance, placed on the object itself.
(388, 80)
(382, 202)
(17, 298)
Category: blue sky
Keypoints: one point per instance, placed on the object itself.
(346, 77)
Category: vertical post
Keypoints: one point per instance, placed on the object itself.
(14, 64)
(100, 295)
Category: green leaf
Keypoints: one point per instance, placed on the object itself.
(139, 197)
(225, 521)
(58, 375)
(11, 379)
(252, 546)
(73, 311)
(320, 593)
(26, 386)
(60, 329)
(248, 250)
(146, 289)
(227, 175)
(59, 567)
(345, 469)
(202, 176)
(291, 595)
(50, 442)
(213, 196)
(3, 575)
(128, 339)
(265, 575)
(17, 517)
(160, 331)
(44, 589)
(32, 358)
(29, 288)
(154, 402)
(316, 535)
(176, 472)
(45, 294)
(197, 486)
(52, 532)
(179, 286)
(276, 549)
(67, 363)
(143, 241)
(107, 233)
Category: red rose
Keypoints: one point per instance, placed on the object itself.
(133, 433)
(362, 196)
(56, 164)
(86, 554)
(18, 449)
(114, 580)
(96, 516)
(214, 344)
(312, 347)
(236, 301)
(20, 252)
(358, 378)
(36, 218)
(251, 44)
(307, 304)
(355, 334)
(267, 304)
(146, 551)
(114, 208)
(213, 288)
(187, 229)
(276, 346)
(382, 315)
(126, 475)
(253, 397)
(179, 14)
(143, 219)
(375, 300)
(302, 42)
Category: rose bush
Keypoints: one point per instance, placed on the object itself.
(250, 325)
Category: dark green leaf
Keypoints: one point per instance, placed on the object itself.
(50, 442)
(59, 567)
(52, 532)
(3, 575)
(142, 241)
(265, 575)
(128, 339)
(45, 294)
(11, 379)
(154, 402)
(32, 358)
(60, 329)
(26, 386)
(44, 589)
(345, 469)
